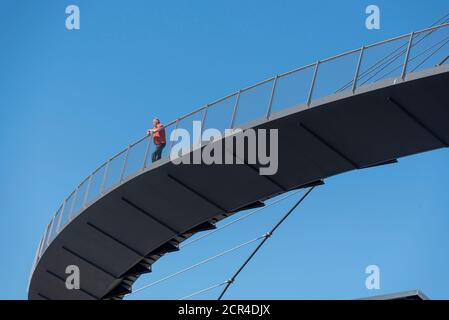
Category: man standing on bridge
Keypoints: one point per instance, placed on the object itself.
(158, 133)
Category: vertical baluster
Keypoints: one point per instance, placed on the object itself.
(357, 70)
(312, 85)
(122, 174)
(147, 152)
(83, 205)
(270, 102)
(234, 111)
(105, 175)
(407, 54)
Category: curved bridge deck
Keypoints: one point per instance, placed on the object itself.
(118, 234)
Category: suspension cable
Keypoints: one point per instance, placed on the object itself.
(387, 58)
(443, 61)
(391, 60)
(222, 253)
(199, 263)
(442, 20)
(182, 245)
(435, 51)
(204, 290)
(444, 41)
(268, 235)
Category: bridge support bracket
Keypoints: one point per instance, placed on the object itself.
(329, 146)
(148, 214)
(383, 163)
(409, 114)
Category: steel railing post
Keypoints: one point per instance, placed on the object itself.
(39, 250)
(147, 152)
(407, 54)
(234, 111)
(125, 161)
(357, 70)
(48, 235)
(105, 175)
(40, 246)
(87, 191)
(58, 228)
(270, 102)
(171, 142)
(312, 85)
(75, 196)
(203, 119)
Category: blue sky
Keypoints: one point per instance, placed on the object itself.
(71, 99)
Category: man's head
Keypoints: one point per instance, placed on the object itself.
(156, 121)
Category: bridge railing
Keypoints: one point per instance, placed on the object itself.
(390, 60)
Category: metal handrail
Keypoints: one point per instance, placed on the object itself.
(46, 239)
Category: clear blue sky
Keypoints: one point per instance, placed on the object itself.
(71, 99)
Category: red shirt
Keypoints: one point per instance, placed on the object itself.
(159, 136)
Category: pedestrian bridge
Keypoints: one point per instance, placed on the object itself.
(365, 107)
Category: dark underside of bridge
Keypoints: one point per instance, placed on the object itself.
(120, 236)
